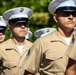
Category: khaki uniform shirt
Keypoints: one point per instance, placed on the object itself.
(10, 58)
(47, 55)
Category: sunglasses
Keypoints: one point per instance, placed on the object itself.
(66, 13)
(19, 24)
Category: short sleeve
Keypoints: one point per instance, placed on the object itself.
(32, 63)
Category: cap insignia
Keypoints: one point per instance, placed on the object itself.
(48, 30)
(22, 9)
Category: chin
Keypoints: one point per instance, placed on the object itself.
(22, 36)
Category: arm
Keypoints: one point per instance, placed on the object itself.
(33, 60)
(71, 67)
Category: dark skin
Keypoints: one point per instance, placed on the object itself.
(28, 73)
(71, 67)
(2, 35)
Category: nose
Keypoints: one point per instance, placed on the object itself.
(0, 34)
(70, 16)
(22, 26)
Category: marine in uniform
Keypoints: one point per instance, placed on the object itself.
(3, 26)
(47, 54)
(15, 50)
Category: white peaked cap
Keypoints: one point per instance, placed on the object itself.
(3, 22)
(18, 16)
(29, 35)
(75, 29)
(44, 31)
(60, 3)
(18, 12)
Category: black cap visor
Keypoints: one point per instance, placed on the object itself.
(18, 20)
(2, 28)
(66, 9)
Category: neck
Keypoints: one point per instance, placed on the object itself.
(66, 33)
(19, 41)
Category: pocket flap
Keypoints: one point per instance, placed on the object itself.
(54, 56)
(9, 64)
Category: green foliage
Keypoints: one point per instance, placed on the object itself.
(41, 18)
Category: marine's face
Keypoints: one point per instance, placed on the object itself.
(2, 35)
(19, 29)
(66, 20)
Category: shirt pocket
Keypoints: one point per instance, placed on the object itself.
(51, 59)
(54, 62)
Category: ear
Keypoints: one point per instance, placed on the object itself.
(9, 27)
(55, 18)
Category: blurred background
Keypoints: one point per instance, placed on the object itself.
(41, 18)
